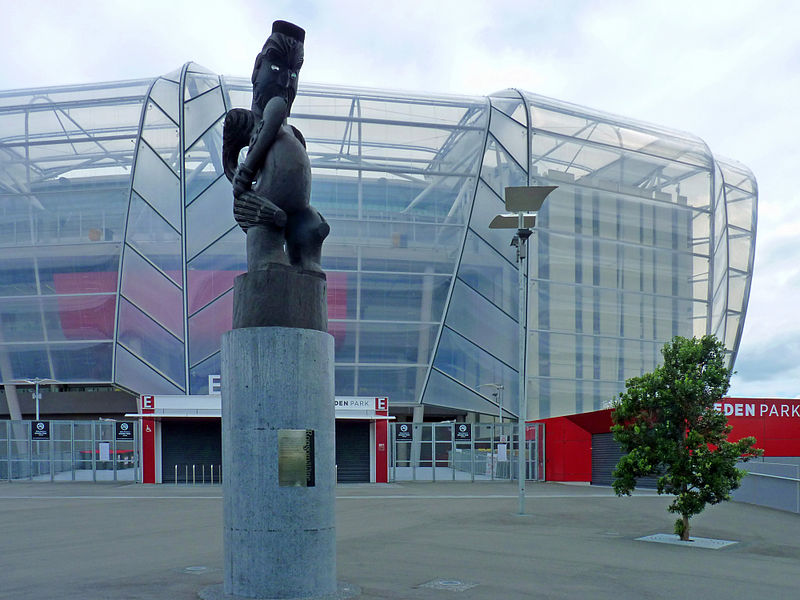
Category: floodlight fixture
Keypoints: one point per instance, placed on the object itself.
(511, 221)
(527, 198)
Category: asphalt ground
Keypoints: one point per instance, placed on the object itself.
(129, 541)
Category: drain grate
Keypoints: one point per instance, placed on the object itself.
(697, 542)
(454, 585)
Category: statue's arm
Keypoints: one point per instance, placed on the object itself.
(263, 137)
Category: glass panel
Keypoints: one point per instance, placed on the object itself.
(402, 297)
(474, 317)
(148, 340)
(394, 343)
(78, 317)
(81, 362)
(19, 277)
(512, 106)
(485, 271)
(21, 320)
(201, 227)
(499, 170)
(740, 212)
(133, 374)
(486, 207)
(739, 246)
(68, 362)
(162, 134)
(75, 270)
(198, 83)
(512, 135)
(338, 305)
(151, 235)
(399, 384)
(199, 114)
(26, 361)
(581, 122)
(344, 335)
(165, 94)
(198, 375)
(443, 391)
(212, 272)
(207, 326)
(473, 367)
(152, 292)
(158, 185)
(204, 163)
(345, 381)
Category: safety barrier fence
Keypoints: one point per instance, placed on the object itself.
(774, 485)
(195, 474)
(463, 452)
(69, 450)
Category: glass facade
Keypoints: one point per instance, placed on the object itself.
(119, 247)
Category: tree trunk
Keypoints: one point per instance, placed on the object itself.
(685, 532)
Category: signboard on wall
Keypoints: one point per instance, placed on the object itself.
(40, 430)
(403, 432)
(759, 408)
(296, 458)
(124, 431)
(463, 432)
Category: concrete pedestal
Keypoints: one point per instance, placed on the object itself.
(279, 541)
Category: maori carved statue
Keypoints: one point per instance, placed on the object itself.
(272, 186)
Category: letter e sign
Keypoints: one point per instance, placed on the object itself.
(381, 404)
(148, 402)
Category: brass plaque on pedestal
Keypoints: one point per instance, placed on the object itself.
(296, 457)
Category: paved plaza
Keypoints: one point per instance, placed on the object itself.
(412, 540)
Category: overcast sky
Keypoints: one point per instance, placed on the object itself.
(726, 71)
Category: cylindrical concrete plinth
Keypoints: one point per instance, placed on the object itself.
(279, 541)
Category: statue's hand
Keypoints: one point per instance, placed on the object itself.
(251, 209)
(242, 180)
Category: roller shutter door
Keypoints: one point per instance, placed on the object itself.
(352, 451)
(605, 456)
(190, 442)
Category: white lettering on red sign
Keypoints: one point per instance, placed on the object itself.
(148, 401)
(746, 409)
(381, 404)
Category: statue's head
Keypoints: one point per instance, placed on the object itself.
(277, 66)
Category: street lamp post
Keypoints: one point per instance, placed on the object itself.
(522, 204)
(36, 381)
(498, 395)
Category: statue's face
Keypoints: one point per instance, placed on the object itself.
(276, 70)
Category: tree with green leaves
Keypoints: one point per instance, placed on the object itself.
(667, 424)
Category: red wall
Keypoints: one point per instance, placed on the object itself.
(775, 424)
(568, 444)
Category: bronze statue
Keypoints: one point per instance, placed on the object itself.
(272, 187)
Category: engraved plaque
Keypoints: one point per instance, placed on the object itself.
(296, 457)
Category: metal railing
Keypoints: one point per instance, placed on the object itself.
(73, 451)
(197, 474)
(463, 452)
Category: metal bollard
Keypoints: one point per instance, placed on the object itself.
(193, 474)
(204, 474)
(185, 473)
(176, 474)
(212, 474)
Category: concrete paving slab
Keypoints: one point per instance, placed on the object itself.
(129, 541)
